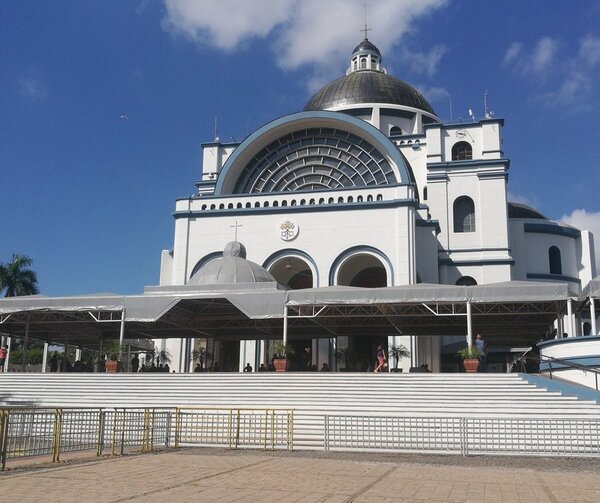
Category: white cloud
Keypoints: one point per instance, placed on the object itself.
(589, 51)
(300, 35)
(575, 85)
(434, 94)
(512, 52)
(567, 80)
(31, 87)
(543, 55)
(226, 23)
(586, 220)
(535, 62)
(426, 63)
(522, 199)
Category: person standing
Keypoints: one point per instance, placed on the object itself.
(381, 359)
(135, 363)
(248, 368)
(3, 352)
(481, 347)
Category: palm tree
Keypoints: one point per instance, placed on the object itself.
(397, 352)
(16, 278)
(202, 355)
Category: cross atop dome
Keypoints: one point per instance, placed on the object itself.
(366, 29)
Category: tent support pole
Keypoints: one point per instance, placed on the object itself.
(122, 335)
(45, 358)
(285, 325)
(570, 324)
(469, 325)
(593, 315)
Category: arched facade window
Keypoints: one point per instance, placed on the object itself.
(466, 281)
(462, 151)
(464, 215)
(395, 131)
(363, 63)
(554, 260)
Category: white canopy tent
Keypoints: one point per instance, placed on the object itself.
(266, 311)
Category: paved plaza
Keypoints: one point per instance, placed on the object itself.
(209, 475)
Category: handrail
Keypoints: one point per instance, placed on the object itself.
(550, 359)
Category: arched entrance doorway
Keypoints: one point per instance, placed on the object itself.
(293, 271)
(368, 271)
(363, 270)
(296, 273)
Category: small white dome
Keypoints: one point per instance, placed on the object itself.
(231, 268)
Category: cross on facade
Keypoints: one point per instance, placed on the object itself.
(236, 225)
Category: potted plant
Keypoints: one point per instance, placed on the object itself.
(470, 356)
(397, 352)
(280, 352)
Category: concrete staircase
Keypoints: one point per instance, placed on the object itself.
(313, 396)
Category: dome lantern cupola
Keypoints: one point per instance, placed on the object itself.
(365, 56)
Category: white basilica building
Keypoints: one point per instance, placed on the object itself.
(366, 187)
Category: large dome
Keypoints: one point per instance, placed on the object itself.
(367, 87)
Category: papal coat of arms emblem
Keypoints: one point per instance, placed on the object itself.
(288, 230)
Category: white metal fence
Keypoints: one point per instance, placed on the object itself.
(34, 432)
(557, 436)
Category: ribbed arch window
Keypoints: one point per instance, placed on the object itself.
(395, 131)
(462, 151)
(464, 215)
(554, 260)
(315, 159)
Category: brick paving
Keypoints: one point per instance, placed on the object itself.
(211, 475)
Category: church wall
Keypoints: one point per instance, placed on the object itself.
(166, 268)
(427, 255)
(586, 252)
(518, 249)
(537, 257)
(321, 236)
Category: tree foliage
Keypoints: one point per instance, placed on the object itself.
(16, 277)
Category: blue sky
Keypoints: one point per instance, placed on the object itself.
(88, 194)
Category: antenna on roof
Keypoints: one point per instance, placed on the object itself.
(365, 29)
(488, 114)
(216, 137)
(471, 114)
(450, 101)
